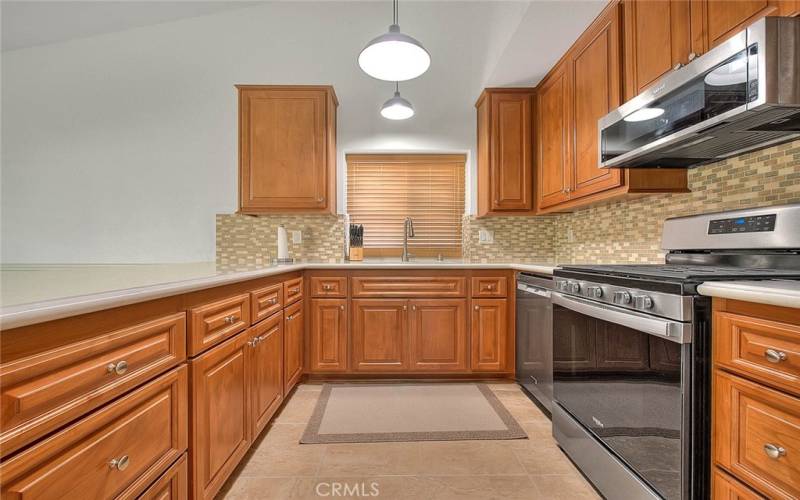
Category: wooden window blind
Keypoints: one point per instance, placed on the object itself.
(382, 190)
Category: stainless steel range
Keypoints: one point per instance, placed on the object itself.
(631, 349)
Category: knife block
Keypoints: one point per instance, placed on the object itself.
(356, 253)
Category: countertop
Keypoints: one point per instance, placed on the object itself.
(774, 292)
(36, 293)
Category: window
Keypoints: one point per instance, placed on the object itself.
(382, 190)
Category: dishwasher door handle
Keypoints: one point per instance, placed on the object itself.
(541, 292)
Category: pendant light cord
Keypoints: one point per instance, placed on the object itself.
(394, 11)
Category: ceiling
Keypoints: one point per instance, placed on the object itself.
(528, 48)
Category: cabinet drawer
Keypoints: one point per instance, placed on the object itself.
(409, 286)
(757, 435)
(115, 452)
(212, 323)
(724, 487)
(42, 392)
(172, 485)
(266, 301)
(329, 286)
(489, 286)
(292, 291)
(768, 351)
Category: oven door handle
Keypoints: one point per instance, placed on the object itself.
(674, 331)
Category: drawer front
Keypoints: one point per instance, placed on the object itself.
(43, 392)
(115, 452)
(725, 487)
(292, 291)
(768, 351)
(266, 301)
(215, 322)
(757, 435)
(409, 286)
(172, 485)
(489, 286)
(329, 286)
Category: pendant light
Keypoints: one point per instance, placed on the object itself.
(394, 56)
(397, 108)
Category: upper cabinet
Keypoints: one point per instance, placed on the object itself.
(505, 163)
(287, 149)
(582, 88)
(714, 21)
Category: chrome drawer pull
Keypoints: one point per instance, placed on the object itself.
(774, 356)
(774, 451)
(119, 367)
(120, 463)
(230, 319)
(253, 342)
(273, 301)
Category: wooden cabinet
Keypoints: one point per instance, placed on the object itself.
(328, 335)
(265, 341)
(438, 334)
(755, 400)
(294, 333)
(266, 301)
(379, 335)
(220, 388)
(115, 452)
(292, 291)
(329, 286)
(554, 150)
(489, 334)
(409, 286)
(725, 487)
(505, 153)
(489, 286)
(217, 321)
(657, 41)
(172, 485)
(714, 21)
(287, 149)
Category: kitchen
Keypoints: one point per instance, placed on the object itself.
(549, 251)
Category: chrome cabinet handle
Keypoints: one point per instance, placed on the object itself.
(119, 367)
(413, 308)
(774, 451)
(774, 356)
(119, 463)
(405, 308)
(477, 307)
(273, 301)
(692, 56)
(319, 200)
(230, 319)
(253, 342)
(326, 287)
(341, 307)
(289, 317)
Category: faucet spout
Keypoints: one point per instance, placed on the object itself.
(408, 232)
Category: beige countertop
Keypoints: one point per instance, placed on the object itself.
(36, 293)
(774, 292)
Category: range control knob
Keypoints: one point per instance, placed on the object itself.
(642, 302)
(622, 297)
(574, 287)
(594, 291)
(563, 286)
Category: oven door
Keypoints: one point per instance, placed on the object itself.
(625, 377)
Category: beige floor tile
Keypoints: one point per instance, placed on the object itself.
(260, 488)
(469, 457)
(379, 487)
(564, 487)
(367, 459)
(278, 454)
(544, 460)
(299, 408)
(479, 488)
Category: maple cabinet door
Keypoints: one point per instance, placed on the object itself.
(553, 161)
(266, 368)
(438, 334)
(328, 336)
(489, 335)
(380, 335)
(293, 333)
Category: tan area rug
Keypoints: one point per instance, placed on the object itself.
(366, 413)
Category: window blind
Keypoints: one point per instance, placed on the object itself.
(382, 190)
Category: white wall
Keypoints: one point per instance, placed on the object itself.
(122, 147)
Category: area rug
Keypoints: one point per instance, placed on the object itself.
(379, 412)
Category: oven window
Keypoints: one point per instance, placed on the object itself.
(625, 387)
(721, 89)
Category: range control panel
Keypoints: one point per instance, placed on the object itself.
(751, 224)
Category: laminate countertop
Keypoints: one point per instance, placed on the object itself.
(774, 292)
(32, 294)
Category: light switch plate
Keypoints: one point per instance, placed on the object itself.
(485, 236)
(297, 237)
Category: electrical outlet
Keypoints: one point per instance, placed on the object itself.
(297, 237)
(485, 236)
(570, 235)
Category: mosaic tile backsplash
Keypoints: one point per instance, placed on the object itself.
(616, 232)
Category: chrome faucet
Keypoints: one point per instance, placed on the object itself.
(408, 232)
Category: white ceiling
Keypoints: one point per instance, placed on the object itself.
(527, 50)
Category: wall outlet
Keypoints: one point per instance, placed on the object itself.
(485, 236)
(297, 237)
(570, 235)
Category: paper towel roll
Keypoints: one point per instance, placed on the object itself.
(283, 243)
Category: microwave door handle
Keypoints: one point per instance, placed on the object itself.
(674, 331)
(541, 292)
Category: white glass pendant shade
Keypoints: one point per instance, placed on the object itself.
(394, 57)
(397, 108)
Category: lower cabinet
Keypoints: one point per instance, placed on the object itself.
(328, 334)
(220, 414)
(172, 485)
(294, 333)
(379, 335)
(438, 334)
(265, 340)
(489, 335)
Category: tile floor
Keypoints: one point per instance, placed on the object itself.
(278, 467)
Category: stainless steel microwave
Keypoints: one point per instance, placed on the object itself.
(739, 96)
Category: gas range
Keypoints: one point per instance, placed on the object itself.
(631, 349)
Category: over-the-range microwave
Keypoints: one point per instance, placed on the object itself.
(739, 96)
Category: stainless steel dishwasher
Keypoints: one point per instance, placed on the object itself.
(535, 337)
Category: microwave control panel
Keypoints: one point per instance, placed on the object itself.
(752, 224)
